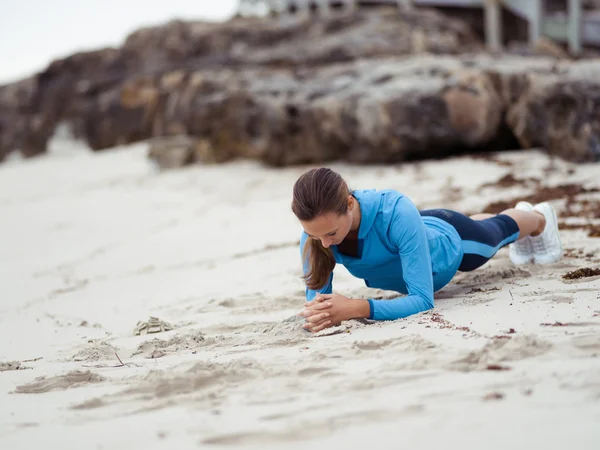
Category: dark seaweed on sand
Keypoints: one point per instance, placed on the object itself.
(581, 273)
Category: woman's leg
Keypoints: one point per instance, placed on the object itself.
(482, 216)
(530, 223)
(530, 231)
(482, 238)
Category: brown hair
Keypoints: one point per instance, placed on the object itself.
(316, 192)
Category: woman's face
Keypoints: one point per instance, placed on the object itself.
(329, 228)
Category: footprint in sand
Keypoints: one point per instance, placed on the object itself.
(588, 343)
(326, 426)
(59, 383)
(491, 275)
(501, 350)
(205, 381)
(408, 343)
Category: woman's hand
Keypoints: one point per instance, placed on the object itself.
(328, 310)
(317, 314)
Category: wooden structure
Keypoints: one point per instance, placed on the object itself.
(570, 26)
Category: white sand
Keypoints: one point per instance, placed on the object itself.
(92, 243)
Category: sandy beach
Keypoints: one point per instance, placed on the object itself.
(93, 243)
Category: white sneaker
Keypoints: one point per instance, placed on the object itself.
(547, 247)
(521, 251)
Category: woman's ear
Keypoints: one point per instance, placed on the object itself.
(351, 201)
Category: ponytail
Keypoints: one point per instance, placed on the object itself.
(321, 263)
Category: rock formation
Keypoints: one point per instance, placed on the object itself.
(374, 86)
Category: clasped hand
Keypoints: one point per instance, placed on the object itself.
(327, 310)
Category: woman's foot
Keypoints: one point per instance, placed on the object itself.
(521, 251)
(547, 246)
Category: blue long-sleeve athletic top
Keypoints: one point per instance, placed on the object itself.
(398, 251)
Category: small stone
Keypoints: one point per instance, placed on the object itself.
(494, 396)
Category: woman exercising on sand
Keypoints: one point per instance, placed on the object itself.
(382, 238)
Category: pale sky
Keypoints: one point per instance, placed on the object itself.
(34, 32)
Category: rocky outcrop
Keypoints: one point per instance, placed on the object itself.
(31, 109)
(93, 90)
(364, 87)
(561, 113)
(395, 110)
(293, 41)
(23, 127)
(170, 152)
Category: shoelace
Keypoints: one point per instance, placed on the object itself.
(539, 245)
(522, 246)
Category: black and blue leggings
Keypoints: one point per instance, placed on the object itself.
(481, 238)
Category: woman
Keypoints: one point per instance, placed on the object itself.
(382, 238)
